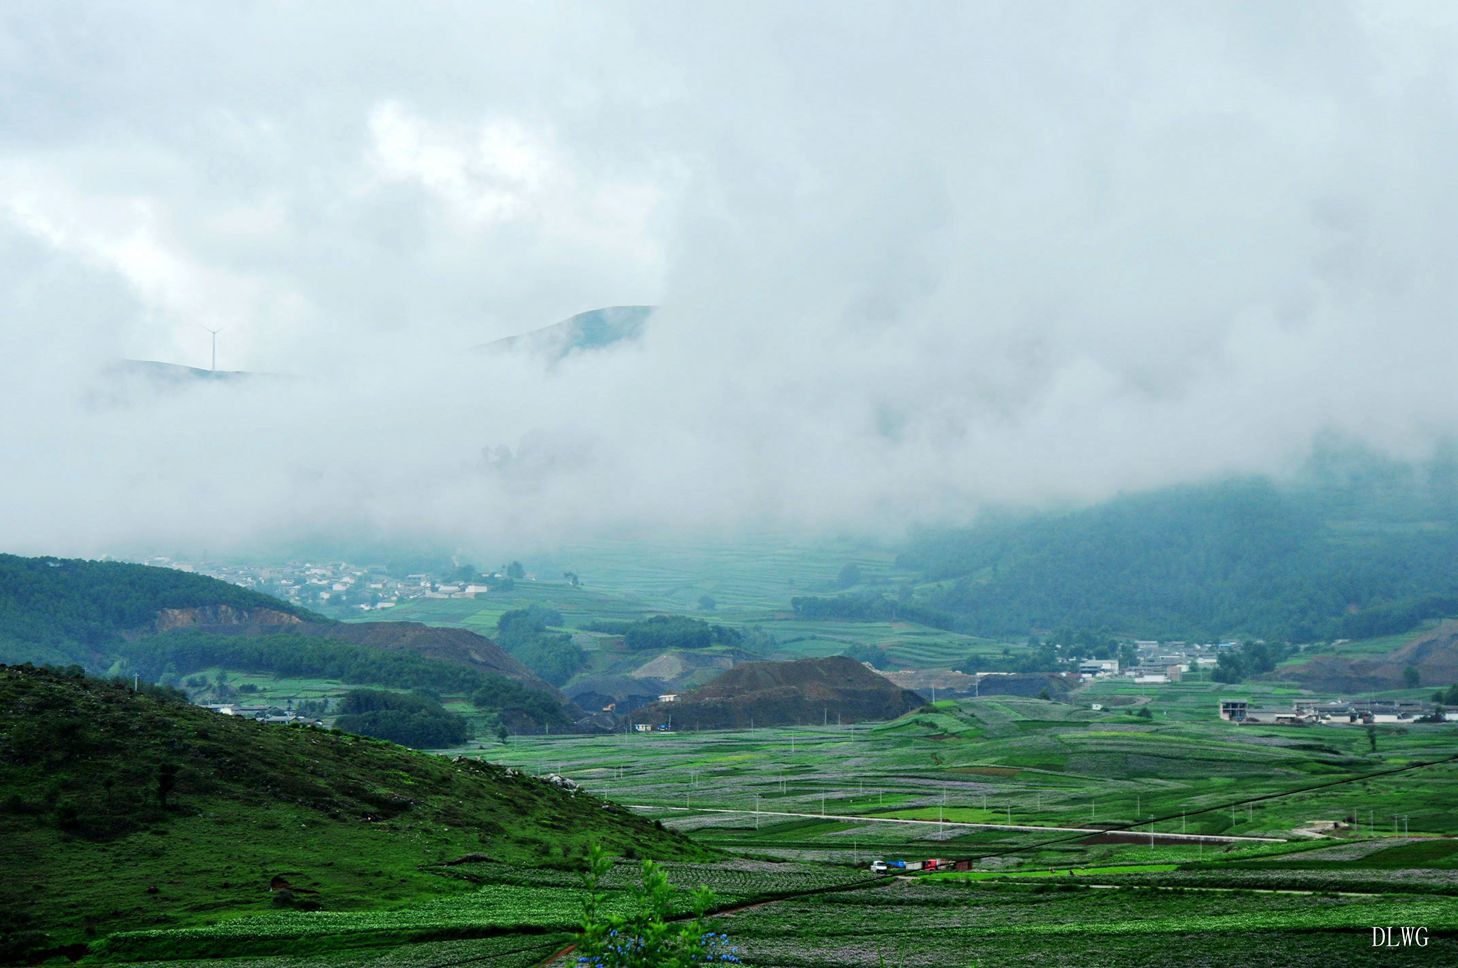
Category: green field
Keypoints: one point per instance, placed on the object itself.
(806, 809)
(751, 584)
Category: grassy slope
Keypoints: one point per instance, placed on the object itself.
(357, 820)
(1050, 762)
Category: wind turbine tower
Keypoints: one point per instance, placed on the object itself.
(215, 333)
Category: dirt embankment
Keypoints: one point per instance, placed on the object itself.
(453, 645)
(221, 616)
(1434, 656)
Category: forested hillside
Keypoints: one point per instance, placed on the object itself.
(114, 616)
(1247, 558)
(63, 609)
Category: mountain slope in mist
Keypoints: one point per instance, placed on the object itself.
(592, 330)
(1334, 557)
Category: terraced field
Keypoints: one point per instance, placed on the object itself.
(806, 809)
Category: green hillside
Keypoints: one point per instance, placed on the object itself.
(128, 810)
(1241, 558)
(70, 610)
(164, 625)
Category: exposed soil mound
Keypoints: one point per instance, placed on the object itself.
(1435, 656)
(458, 646)
(803, 692)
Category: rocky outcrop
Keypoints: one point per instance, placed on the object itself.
(209, 617)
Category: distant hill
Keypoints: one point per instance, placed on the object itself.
(593, 330)
(70, 610)
(172, 372)
(1334, 556)
(98, 614)
(125, 810)
(452, 645)
(801, 692)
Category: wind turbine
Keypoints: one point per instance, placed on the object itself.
(215, 333)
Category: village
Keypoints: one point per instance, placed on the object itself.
(340, 585)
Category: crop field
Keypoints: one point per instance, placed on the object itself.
(754, 576)
(751, 585)
(1023, 788)
(1012, 763)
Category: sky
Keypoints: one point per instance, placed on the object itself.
(909, 261)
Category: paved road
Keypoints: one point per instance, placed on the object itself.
(1192, 838)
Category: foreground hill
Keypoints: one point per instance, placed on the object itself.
(803, 692)
(162, 623)
(124, 810)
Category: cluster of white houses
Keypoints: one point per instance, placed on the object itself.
(1334, 713)
(334, 583)
(1158, 662)
(264, 714)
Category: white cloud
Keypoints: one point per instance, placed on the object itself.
(909, 262)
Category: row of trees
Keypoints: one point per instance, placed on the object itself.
(410, 719)
(524, 632)
(664, 632)
(299, 656)
(1250, 659)
(873, 608)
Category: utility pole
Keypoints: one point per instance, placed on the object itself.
(1151, 831)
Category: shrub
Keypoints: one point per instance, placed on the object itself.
(649, 939)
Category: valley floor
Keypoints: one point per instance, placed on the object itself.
(1289, 849)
